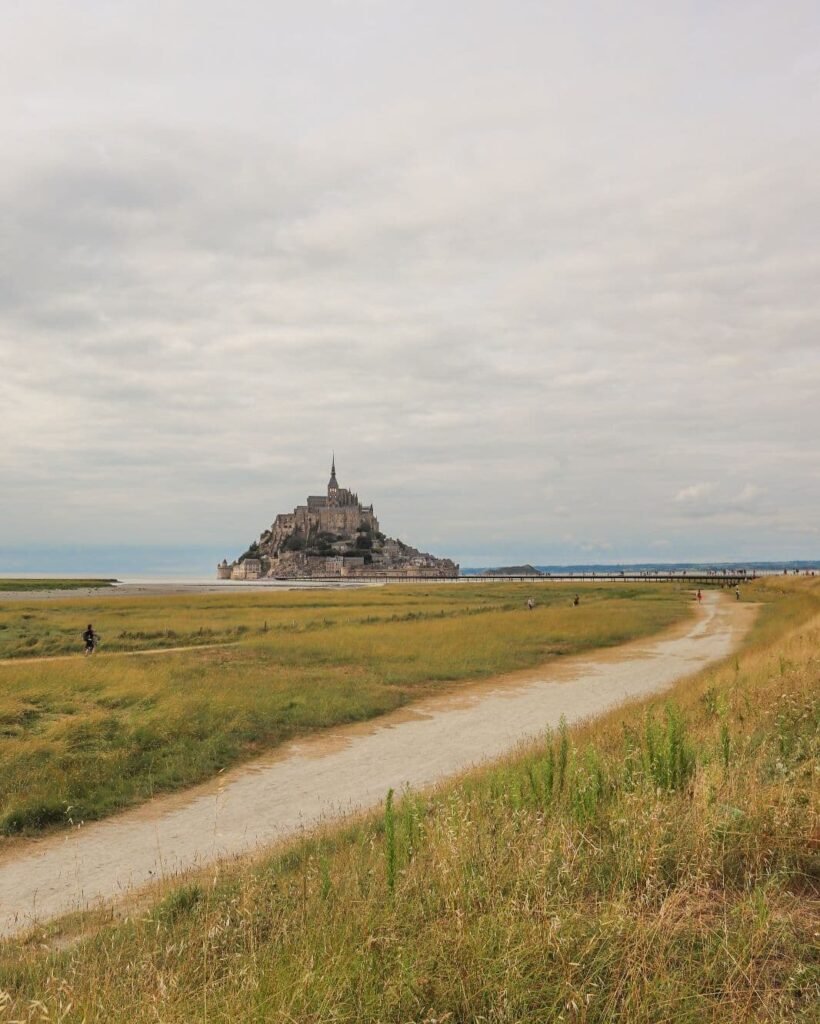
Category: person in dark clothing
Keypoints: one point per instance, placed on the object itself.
(90, 638)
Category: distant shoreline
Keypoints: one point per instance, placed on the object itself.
(33, 584)
(119, 576)
(82, 585)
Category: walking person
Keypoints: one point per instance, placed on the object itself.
(91, 640)
(700, 596)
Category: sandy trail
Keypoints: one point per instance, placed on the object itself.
(345, 769)
(116, 654)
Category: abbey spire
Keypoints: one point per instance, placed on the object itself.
(333, 486)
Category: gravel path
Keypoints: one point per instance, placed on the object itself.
(345, 769)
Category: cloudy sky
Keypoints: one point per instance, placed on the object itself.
(545, 276)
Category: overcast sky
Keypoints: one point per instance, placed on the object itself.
(544, 275)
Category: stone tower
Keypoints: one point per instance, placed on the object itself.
(333, 486)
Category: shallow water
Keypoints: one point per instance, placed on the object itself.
(345, 769)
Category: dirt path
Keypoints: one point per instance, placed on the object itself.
(116, 654)
(345, 769)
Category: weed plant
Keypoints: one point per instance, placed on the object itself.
(639, 868)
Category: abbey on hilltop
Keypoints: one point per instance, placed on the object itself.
(331, 535)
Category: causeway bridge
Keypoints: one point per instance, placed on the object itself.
(696, 578)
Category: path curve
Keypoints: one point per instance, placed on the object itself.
(345, 769)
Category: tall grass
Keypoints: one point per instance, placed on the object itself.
(30, 629)
(82, 738)
(390, 841)
(662, 881)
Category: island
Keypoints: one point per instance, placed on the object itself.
(332, 534)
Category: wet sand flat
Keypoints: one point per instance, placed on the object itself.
(345, 769)
(158, 589)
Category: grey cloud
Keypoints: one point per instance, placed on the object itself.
(525, 266)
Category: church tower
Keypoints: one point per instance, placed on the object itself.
(333, 486)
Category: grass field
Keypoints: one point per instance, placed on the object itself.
(22, 585)
(658, 865)
(81, 738)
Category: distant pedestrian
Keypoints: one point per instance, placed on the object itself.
(530, 603)
(576, 600)
(91, 639)
(737, 593)
(700, 596)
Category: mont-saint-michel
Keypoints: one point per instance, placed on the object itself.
(332, 534)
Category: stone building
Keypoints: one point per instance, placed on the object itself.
(248, 569)
(337, 512)
(331, 534)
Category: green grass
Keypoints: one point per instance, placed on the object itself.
(81, 738)
(658, 865)
(38, 629)
(21, 585)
